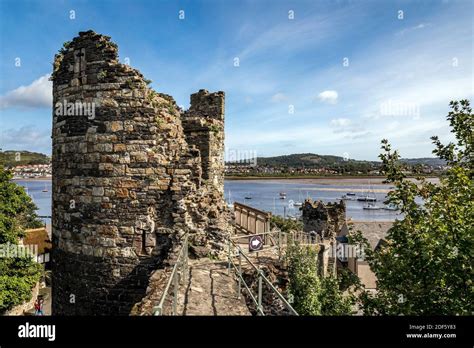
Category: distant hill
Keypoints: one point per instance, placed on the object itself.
(10, 159)
(311, 160)
(425, 161)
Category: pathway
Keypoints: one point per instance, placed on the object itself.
(209, 290)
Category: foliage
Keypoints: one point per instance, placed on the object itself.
(426, 266)
(15, 287)
(285, 225)
(151, 95)
(9, 158)
(159, 121)
(101, 75)
(314, 295)
(17, 212)
(304, 283)
(333, 302)
(129, 83)
(15, 290)
(215, 129)
(62, 51)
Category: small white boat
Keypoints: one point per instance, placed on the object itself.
(345, 198)
(299, 203)
(390, 207)
(371, 206)
(366, 198)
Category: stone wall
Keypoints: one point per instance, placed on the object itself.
(203, 126)
(324, 219)
(128, 180)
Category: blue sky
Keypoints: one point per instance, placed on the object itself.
(335, 79)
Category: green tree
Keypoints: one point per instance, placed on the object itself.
(17, 210)
(426, 266)
(17, 274)
(285, 225)
(304, 283)
(312, 294)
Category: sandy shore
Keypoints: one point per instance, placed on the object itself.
(42, 178)
(344, 181)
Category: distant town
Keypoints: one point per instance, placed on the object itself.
(31, 165)
(32, 171)
(308, 165)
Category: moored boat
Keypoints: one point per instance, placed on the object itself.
(371, 206)
(367, 198)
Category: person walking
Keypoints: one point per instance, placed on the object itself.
(39, 305)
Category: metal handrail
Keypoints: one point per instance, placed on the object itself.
(242, 280)
(261, 277)
(260, 234)
(181, 262)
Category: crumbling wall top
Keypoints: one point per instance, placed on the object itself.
(207, 105)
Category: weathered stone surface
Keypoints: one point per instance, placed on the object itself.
(127, 178)
(205, 289)
(324, 219)
(199, 251)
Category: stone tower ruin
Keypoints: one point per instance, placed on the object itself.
(132, 174)
(326, 220)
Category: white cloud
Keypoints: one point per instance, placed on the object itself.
(417, 27)
(26, 138)
(36, 94)
(328, 97)
(279, 97)
(288, 37)
(346, 126)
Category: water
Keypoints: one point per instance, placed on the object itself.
(42, 199)
(265, 196)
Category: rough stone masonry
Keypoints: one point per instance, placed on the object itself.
(132, 173)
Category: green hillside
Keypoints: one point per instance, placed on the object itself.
(10, 158)
(309, 160)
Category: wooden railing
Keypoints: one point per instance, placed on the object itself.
(251, 220)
